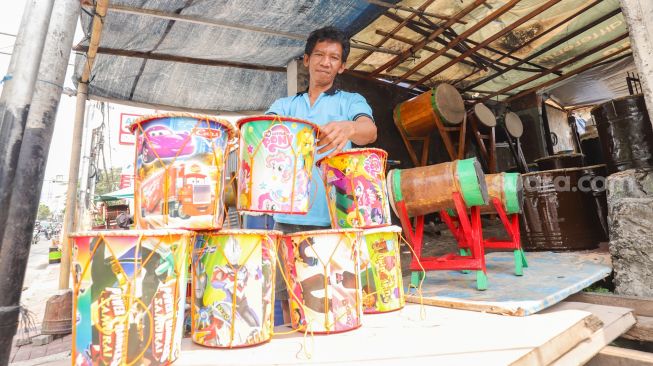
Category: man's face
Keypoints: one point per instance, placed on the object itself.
(325, 62)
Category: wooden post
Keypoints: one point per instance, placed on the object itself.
(638, 15)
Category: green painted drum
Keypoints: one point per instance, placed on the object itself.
(415, 186)
(381, 270)
(508, 189)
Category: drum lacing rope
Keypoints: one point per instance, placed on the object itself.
(422, 310)
(276, 120)
(332, 208)
(309, 322)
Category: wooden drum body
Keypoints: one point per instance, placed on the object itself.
(323, 270)
(416, 116)
(508, 189)
(128, 296)
(431, 188)
(356, 188)
(276, 164)
(233, 276)
(179, 179)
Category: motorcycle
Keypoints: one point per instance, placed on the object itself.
(36, 236)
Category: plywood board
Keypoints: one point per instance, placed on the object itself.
(616, 321)
(445, 336)
(550, 278)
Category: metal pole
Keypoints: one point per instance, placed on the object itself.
(17, 94)
(73, 178)
(25, 195)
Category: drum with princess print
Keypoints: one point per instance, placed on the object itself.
(179, 178)
(232, 290)
(128, 296)
(381, 279)
(356, 188)
(276, 160)
(322, 268)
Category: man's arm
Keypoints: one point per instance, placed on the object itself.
(334, 135)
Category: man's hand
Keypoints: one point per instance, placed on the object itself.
(334, 135)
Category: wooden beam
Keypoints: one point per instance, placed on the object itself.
(165, 107)
(565, 76)
(428, 48)
(642, 331)
(180, 59)
(411, 10)
(489, 40)
(393, 31)
(560, 66)
(547, 48)
(404, 55)
(223, 24)
(540, 35)
(617, 356)
(641, 305)
(100, 11)
(463, 36)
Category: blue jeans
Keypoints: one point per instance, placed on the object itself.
(281, 292)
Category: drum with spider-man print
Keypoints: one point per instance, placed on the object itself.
(179, 179)
(276, 164)
(322, 268)
(233, 296)
(356, 188)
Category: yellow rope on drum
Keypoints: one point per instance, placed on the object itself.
(422, 309)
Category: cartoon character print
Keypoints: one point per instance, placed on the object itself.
(243, 184)
(275, 199)
(306, 147)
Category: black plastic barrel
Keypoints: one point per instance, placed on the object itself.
(591, 146)
(625, 132)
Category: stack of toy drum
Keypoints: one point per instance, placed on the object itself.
(131, 288)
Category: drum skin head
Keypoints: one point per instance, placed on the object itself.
(449, 103)
(514, 125)
(485, 115)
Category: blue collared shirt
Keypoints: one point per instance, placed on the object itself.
(332, 105)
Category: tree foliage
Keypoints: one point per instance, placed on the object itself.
(44, 212)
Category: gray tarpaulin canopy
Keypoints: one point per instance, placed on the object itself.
(160, 51)
(232, 55)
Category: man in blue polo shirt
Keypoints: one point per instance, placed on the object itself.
(343, 118)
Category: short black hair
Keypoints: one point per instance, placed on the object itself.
(328, 34)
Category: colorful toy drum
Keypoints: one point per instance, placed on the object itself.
(381, 270)
(179, 178)
(356, 188)
(322, 268)
(276, 164)
(233, 276)
(128, 296)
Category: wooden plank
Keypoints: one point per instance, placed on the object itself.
(615, 321)
(616, 356)
(641, 305)
(642, 330)
(181, 59)
(555, 276)
(411, 10)
(437, 336)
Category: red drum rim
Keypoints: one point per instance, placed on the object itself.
(234, 347)
(325, 231)
(231, 130)
(272, 117)
(240, 232)
(132, 233)
(354, 151)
